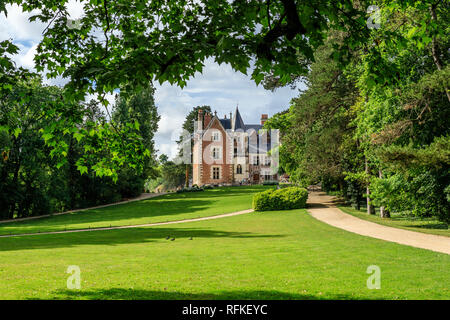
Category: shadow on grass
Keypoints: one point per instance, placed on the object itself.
(313, 205)
(111, 215)
(438, 226)
(171, 204)
(137, 294)
(121, 236)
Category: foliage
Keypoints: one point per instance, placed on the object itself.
(173, 175)
(168, 41)
(270, 183)
(123, 45)
(37, 179)
(378, 127)
(280, 199)
(152, 184)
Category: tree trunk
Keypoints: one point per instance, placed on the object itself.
(384, 213)
(370, 208)
(186, 183)
(15, 180)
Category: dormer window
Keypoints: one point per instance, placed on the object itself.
(216, 136)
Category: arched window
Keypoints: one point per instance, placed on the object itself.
(239, 169)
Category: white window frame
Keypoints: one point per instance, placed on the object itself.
(218, 173)
(215, 134)
(219, 153)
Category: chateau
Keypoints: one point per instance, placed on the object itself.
(228, 151)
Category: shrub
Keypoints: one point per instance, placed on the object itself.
(270, 183)
(281, 199)
(193, 189)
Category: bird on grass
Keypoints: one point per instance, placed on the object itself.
(168, 237)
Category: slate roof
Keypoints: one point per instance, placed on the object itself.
(256, 127)
(226, 123)
(238, 123)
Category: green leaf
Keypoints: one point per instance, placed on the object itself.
(17, 131)
(82, 169)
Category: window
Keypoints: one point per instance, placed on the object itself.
(267, 177)
(255, 160)
(239, 169)
(216, 153)
(216, 136)
(267, 161)
(216, 173)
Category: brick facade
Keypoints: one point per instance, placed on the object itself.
(215, 160)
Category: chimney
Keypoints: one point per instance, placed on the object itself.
(225, 116)
(207, 119)
(200, 119)
(264, 118)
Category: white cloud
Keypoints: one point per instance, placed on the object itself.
(17, 26)
(74, 9)
(26, 56)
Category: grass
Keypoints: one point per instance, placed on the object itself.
(168, 207)
(268, 255)
(425, 225)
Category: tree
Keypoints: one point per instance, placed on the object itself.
(188, 127)
(172, 175)
(139, 109)
(125, 44)
(316, 130)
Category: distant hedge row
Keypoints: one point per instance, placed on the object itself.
(281, 199)
(194, 188)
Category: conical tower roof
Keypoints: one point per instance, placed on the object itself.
(237, 122)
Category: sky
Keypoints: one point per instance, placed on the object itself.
(217, 86)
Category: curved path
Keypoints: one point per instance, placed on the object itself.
(322, 208)
(133, 226)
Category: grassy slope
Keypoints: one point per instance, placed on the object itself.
(430, 226)
(286, 255)
(169, 207)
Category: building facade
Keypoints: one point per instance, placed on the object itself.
(227, 151)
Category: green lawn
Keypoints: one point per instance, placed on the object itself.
(270, 255)
(168, 207)
(425, 225)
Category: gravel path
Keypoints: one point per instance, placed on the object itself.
(321, 207)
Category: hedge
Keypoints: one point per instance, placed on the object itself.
(281, 199)
(270, 183)
(194, 188)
